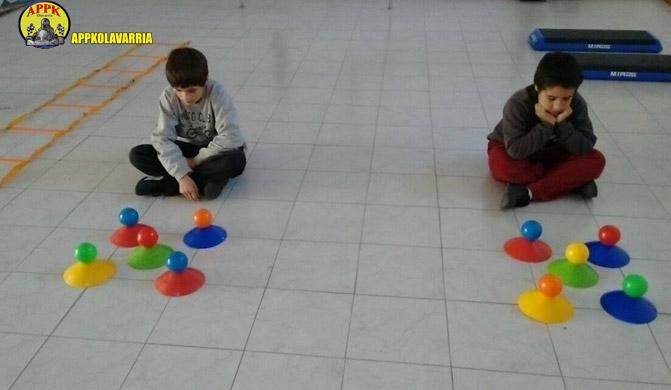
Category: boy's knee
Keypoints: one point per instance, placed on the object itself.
(139, 153)
(134, 156)
(597, 162)
(235, 164)
(237, 167)
(599, 158)
(241, 164)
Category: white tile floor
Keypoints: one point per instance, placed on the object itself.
(365, 236)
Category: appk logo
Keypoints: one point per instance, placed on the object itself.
(44, 25)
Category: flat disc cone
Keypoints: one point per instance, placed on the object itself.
(628, 309)
(579, 276)
(527, 251)
(126, 237)
(173, 284)
(202, 238)
(80, 275)
(149, 258)
(541, 308)
(607, 256)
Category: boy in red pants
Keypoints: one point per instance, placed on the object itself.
(544, 145)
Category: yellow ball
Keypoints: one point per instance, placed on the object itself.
(577, 253)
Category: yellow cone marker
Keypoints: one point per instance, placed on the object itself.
(87, 271)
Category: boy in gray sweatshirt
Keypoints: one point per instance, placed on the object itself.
(544, 145)
(197, 145)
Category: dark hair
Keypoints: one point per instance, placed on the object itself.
(186, 67)
(558, 69)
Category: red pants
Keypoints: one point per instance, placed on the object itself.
(547, 175)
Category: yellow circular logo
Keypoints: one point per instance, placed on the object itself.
(44, 24)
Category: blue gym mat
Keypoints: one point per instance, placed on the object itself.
(627, 67)
(623, 41)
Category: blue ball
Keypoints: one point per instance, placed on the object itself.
(531, 230)
(128, 217)
(177, 262)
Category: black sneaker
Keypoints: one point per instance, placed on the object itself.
(515, 195)
(149, 186)
(213, 188)
(587, 191)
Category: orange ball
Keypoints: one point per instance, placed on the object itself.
(202, 218)
(550, 285)
(147, 237)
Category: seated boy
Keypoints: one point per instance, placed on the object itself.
(197, 145)
(544, 145)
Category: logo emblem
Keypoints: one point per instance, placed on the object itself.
(44, 25)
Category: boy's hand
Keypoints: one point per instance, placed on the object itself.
(564, 115)
(191, 162)
(188, 188)
(544, 115)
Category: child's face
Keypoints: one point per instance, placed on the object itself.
(555, 100)
(189, 95)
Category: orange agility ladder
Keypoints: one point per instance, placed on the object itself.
(32, 133)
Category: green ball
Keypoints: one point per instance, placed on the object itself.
(635, 285)
(86, 252)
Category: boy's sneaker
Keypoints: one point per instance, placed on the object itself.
(515, 195)
(587, 191)
(149, 185)
(213, 188)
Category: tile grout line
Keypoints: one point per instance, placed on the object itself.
(666, 132)
(144, 344)
(659, 348)
(47, 339)
(279, 248)
(438, 203)
(408, 363)
(365, 210)
(400, 297)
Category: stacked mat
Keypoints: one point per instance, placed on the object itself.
(599, 65)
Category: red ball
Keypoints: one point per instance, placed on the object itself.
(609, 235)
(147, 237)
(550, 285)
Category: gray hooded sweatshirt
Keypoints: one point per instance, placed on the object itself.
(524, 134)
(211, 123)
